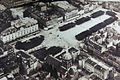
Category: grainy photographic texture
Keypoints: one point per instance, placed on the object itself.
(59, 40)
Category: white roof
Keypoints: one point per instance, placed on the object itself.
(67, 56)
(10, 76)
(2, 7)
(4, 78)
(105, 66)
(24, 21)
(64, 4)
(4, 54)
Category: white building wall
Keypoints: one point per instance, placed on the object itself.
(106, 73)
(71, 14)
(89, 67)
(14, 36)
(19, 33)
(101, 74)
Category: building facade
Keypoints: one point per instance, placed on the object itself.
(100, 69)
(19, 28)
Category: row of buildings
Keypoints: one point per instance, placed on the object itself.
(101, 69)
(61, 11)
(14, 64)
(19, 28)
(54, 62)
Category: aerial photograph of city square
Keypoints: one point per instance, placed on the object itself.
(59, 39)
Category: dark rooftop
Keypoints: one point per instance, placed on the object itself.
(54, 50)
(110, 13)
(97, 14)
(110, 20)
(82, 20)
(72, 49)
(23, 54)
(83, 35)
(40, 54)
(31, 44)
(67, 26)
(53, 61)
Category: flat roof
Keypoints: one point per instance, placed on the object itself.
(65, 5)
(23, 22)
(102, 64)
